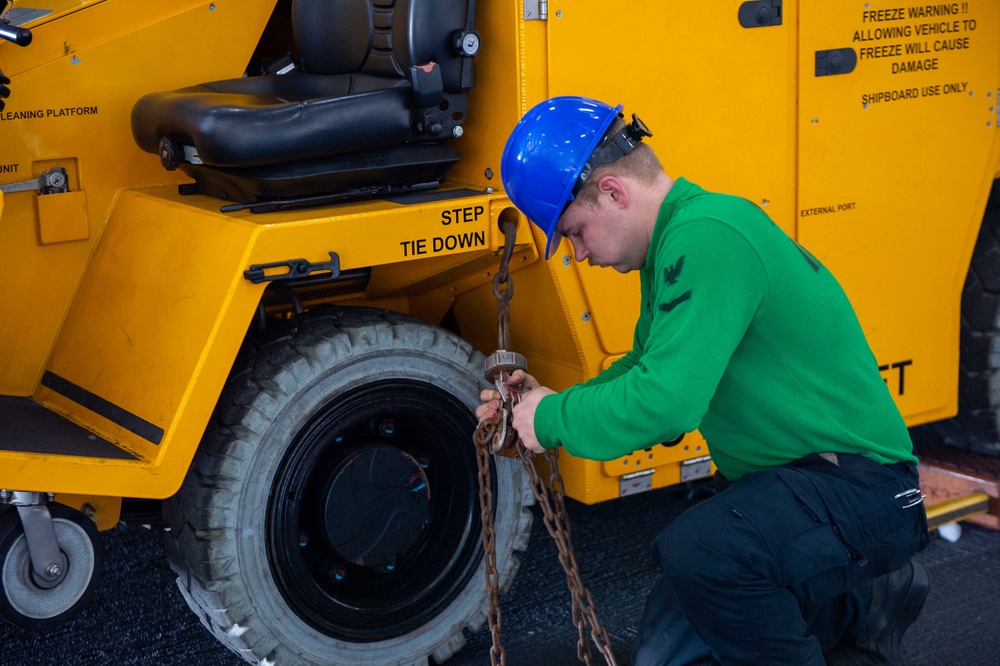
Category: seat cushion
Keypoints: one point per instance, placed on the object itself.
(274, 119)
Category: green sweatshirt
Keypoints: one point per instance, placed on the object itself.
(742, 335)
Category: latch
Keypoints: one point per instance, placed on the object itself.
(760, 13)
(294, 269)
(835, 61)
(53, 181)
(536, 10)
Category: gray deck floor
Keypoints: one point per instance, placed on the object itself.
(138, 617)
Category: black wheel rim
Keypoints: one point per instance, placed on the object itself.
(400, 421)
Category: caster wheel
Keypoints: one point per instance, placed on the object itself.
(29, 604)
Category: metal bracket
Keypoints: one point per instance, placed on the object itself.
(295, 269)
(48, 563)
(53, 181)
(536, 10)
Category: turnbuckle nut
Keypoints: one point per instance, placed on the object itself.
(503, 361)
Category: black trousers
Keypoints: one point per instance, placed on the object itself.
(773, 570)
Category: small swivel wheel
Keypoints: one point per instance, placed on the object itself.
(31, 604)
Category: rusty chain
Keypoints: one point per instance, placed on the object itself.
(496, 435)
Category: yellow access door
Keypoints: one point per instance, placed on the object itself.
(720, 99)
(897, 141)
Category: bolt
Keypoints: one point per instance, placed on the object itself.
(566, 260)
(303, 540)
(387, 427)
(211, 7)
(586, 316)
(457, 131)
(338, 574)
(4, 494)
(89, 510)
(54, 570)
(489, 173)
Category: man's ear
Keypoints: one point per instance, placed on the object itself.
(614, 187)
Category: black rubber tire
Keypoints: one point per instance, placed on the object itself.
(225, 541)
(975, 428)
(27, 605)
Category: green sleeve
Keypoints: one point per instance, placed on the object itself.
(711, 284)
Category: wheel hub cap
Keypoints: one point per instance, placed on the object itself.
(376, 505)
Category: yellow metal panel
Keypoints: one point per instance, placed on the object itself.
(164, 306)
(691, 446)
(495, 104)
(62, 217)
(155, 298)
(72, 94)
(719, 99)
(894, 166)
(377, 232)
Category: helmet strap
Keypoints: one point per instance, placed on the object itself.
(613, 147)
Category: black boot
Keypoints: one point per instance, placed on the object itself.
(896, 600)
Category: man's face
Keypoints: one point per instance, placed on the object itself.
(600, 233)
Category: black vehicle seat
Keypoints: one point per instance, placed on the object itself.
(379, 86)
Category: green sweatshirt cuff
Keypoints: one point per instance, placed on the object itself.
(546, 414)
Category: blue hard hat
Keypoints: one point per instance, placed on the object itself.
(547, 152)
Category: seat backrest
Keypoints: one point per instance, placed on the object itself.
(380, 37)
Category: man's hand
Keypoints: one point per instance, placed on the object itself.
(524, 411)
(4, 90)
(492, 399)
(524, 417)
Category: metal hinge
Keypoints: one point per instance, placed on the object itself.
(835, 61)
(760, 13)
(53, 181)
(536, 10)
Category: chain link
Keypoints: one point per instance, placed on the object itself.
(497, 434)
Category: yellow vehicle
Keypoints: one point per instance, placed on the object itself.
(247, 249)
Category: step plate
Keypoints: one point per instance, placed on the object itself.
(27, 427)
